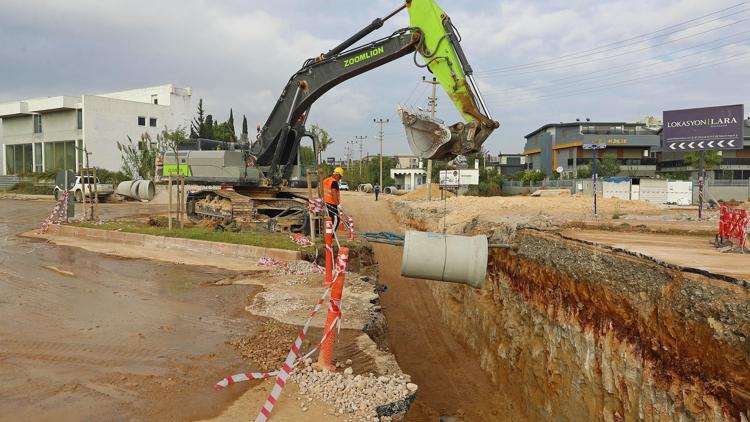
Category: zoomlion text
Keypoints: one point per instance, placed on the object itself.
(364, 56)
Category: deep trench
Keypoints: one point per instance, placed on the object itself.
(570, 330)
(573, 331)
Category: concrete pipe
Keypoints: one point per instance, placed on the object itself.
(435, 256)
(143, 190)
(391, 190)
(366, 188)
(124, 188)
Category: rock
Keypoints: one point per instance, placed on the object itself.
(349, 370)
(412, 387)
(348, 361)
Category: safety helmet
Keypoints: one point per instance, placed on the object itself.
(339, 171)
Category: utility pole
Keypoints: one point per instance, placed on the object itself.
(433, 105)
(349, 146)
(381, 122)
(361, 140)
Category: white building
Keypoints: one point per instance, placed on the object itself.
(408, 173)
(50, 133)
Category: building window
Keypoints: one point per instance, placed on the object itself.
(37, 123)
(38, 167)
(155, 99)
(60, 155)
(152, 121)
(18, 159)
(80, 118)
(141, 121)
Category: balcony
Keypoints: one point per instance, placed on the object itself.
(18, 108)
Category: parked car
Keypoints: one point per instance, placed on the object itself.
(79, 190)
(343, 185)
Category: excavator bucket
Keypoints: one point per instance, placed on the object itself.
(425, 135)
(431, 138)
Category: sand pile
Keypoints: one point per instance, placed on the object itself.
(420, 194)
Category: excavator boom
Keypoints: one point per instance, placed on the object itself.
(442, 54)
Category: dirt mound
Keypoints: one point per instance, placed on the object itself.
(420, 194)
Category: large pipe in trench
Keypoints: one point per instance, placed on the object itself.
(444, 257)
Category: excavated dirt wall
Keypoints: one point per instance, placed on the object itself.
(570, 331)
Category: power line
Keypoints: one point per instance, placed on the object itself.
(596, 59)
(637, 37)
(412, 93)
(628, 81)
(606, 76)
(636, 65)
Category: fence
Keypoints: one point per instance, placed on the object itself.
(718, 190)
(7, 182)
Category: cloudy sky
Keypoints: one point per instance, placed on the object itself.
(536, 61)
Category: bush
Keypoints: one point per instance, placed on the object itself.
(110, 177)
(532, 176)
(490, 184)
(31, 189)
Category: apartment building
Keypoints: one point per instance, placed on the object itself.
(560, 146)
(44, 134)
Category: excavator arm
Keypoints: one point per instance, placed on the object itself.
(431, 35)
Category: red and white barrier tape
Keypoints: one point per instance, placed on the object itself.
(316, 205)
(265, 375)
(60, 210)
(300, 239)
(293, 358)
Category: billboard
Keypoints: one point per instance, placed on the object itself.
(708, 128)
(456, 178)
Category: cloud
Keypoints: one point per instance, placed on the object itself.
(240, 54)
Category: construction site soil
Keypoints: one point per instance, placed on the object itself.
(572, 330)
(577, 321)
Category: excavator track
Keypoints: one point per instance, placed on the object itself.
(259, 212)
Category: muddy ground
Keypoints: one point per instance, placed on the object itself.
(89, 336)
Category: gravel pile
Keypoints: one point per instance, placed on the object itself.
(356, 397)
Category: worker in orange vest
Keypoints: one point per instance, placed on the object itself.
(332, 195)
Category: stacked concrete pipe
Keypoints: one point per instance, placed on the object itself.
(142, 190)
(365, 188)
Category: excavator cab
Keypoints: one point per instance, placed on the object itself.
(440, 49)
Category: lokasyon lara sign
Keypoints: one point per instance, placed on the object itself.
(708, 128)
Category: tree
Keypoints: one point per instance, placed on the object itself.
(245, 136)
(584, 172)
(490, 183)
(532, 176)
(170, 141)
(307, 156)
(230, 127)
(608, 167)
(711, 160)
(222, 132)
(198, 126)
(323, 139)
(139, 159)
(208, 129)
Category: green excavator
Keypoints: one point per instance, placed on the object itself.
(256, 178)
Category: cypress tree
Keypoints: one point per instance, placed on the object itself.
(230, 125)
(245, 136)
(209, 127)
(198, 125)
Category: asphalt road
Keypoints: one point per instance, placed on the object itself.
(85, 336)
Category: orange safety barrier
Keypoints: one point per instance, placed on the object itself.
(733, 225)
(325, 358)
